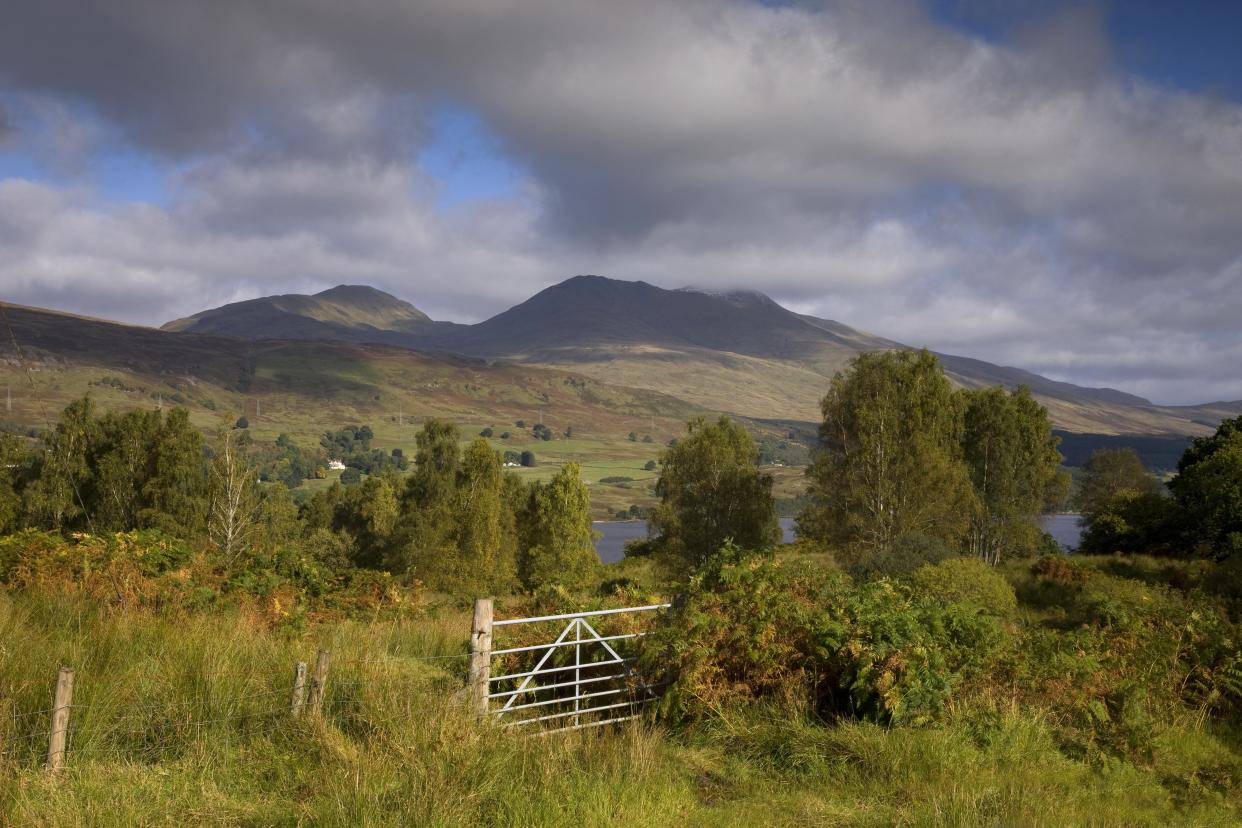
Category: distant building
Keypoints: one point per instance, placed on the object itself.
(336, 465)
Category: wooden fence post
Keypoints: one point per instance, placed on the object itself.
(480, 653)
(319, 682)
(60, 719)
(299, 688)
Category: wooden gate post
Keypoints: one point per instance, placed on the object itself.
(60, 719)
(319, 683)
(299, 688)
(480, 653)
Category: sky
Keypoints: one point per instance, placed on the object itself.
(1051, 185)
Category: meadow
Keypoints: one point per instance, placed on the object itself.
(182, 717)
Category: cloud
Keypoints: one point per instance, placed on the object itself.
(1019, 199)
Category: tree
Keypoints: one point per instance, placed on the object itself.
(435, 464)
(234, 498)
(711, 491)
(632, 437)
(176, 493)
(351, 476)
(484, 530)
(54, 499)
(528, 459)
(1121, 506)
(1013, 462)
(487, 432)
(558, 543)
(242, 422)
(888, 472)
(123, 459)
(14, 462)
(1108, 473)
(650, 465)
(1208, 490)
(277, 521)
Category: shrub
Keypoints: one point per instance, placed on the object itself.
(242, 422)
(751, 628)
(615, 479)
(747, 629)
(908, 554)
(1060, 570)
(967, 581)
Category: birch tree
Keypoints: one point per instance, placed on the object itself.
(234, 498)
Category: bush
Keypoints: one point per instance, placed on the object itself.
(615, 479)
(967, 581)
(909, 553)
(1060, 570)
(650, 465)
(747, 629)
(751, 628)
(242, 422)
(351, 476)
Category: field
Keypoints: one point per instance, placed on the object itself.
(183, 720)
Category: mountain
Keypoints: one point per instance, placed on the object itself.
(354, 313)
(302, 387)
(733, 351)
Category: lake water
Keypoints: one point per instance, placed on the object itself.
(611, 546)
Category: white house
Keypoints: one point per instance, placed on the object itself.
(336, 465)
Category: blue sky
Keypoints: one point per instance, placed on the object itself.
(1049, 185)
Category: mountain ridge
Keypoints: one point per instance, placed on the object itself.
(736, 351)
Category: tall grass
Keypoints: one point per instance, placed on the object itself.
(184, 721)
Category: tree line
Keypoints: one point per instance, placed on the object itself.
(457, 522)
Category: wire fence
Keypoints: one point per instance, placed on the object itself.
(158, 727)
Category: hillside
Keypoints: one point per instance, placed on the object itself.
(732, 351)
(355, 313)
(301, 387)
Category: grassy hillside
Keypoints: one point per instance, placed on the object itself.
(182, 719)
(738, 352)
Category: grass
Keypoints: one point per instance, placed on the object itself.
(182, 720)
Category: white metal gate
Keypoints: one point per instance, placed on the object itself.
(580, 679)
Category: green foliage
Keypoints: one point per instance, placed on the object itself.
(1108, 474)
(556, 535)
(527, 459)
(1060, 570)
(711, 491)
(967, 581)
(650, 465)
(1013, 462)
(241, 422)
(888, 465)
(1208, 490)
(352, 446)
(487, 432)
(750, 628)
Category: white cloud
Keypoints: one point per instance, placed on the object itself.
(1024, 202)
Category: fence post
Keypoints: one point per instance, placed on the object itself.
(319, 681)
(60, 719)
(299, 688)
(480, 653)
